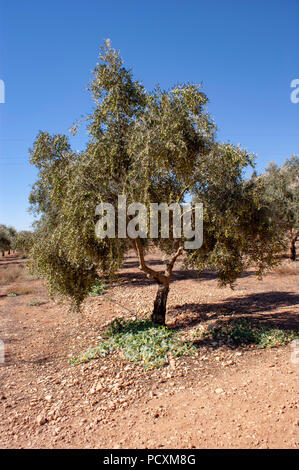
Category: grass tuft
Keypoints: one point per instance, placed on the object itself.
(139, 341)
(34, 303)
(241, 332)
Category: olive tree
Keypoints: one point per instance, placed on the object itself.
(152, 147)
(8, 237)
(281, 190)
(24, 240)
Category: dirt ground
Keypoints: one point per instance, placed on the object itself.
(222, 398)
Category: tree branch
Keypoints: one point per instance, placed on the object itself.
(170, 263)
(152, 274)
(182, 193)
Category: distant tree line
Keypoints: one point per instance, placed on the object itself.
(11, 239)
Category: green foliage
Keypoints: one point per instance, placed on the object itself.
(239, 229)
(98, 288)
(242, 331)
(140, 342)
(24, 241)
(64, 277)
(7, 237)
(153, 147)
(273, 337)
(280, 188)
(35, 303)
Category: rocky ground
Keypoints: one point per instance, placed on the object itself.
(223, 397)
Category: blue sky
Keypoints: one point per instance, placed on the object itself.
(244, 51)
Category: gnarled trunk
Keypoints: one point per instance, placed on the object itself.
(293, 249)
(159, 312)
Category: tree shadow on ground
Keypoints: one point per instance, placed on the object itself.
(134, 279)
(186, 274)
(139, 279)
(12, 262)
(134, 263)
(262, 307)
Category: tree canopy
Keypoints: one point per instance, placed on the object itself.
(281, 191)
(7, 238)
(152, 147)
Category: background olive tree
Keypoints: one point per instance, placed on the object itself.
(157, 146)
(281, 191)
(8, 237)
(24, 241)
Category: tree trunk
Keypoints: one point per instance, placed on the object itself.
(293, 249)
(159, 312)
